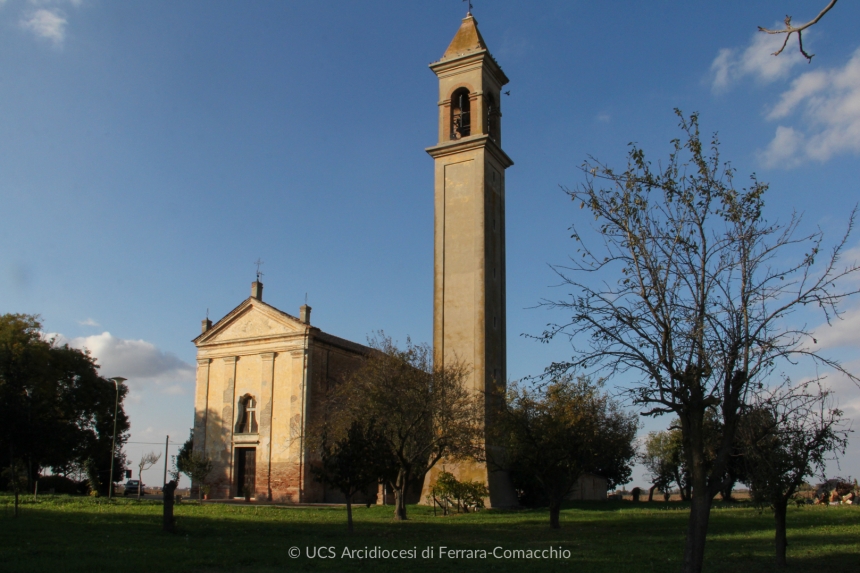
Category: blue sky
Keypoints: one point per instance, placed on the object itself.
(150, 152)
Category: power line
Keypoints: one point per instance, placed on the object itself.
(155, 443)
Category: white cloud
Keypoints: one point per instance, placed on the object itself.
(844, 332)
(46, 24)
(846, 393)
(603, 117)
(756, 61)
(75, 3)
(88, 322)
(828, 103)
(144, 364)
(783, 149)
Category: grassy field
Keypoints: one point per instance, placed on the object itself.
(68, 534)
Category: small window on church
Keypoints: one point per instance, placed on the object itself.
(247, 415)
(461, 123)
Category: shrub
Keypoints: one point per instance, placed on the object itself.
(59, 484)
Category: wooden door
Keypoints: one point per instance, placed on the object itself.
(246, 471)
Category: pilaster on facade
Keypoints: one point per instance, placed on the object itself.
(201, 405)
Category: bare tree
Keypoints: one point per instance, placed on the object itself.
(789, 30)
(146, 462)
(423, 412)
(691, 304)
(785, 437)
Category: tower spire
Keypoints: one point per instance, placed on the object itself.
(467, 40)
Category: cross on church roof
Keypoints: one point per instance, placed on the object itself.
(259, 262)
(470, 5)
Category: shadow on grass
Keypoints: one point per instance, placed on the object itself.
(89, 536)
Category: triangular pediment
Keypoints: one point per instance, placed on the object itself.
(252, 319)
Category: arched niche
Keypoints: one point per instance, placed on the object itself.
(461, 119)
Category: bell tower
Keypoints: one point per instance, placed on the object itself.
(469, 266)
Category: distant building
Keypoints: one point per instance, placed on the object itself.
(260, 372)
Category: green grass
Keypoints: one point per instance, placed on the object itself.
(59, 534)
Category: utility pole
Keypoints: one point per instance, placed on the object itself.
(166, 440)
(117, 380)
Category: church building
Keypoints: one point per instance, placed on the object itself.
(260, 371)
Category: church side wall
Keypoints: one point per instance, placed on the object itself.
(331, 365)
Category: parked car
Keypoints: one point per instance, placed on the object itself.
(132, 486)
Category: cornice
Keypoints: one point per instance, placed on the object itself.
(471, 143)
(447, 67)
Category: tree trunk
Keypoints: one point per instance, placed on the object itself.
(349, 513)
(726, 491)
(168, 522)
(697, 530)
(701, 496)
(554, 511)
(400, 503)
(400, 485)
(780, 508)
(13, 471)
(651, 492)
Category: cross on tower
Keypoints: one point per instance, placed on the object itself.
(259, 262)
(470, 5)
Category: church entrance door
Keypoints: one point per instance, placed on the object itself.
(246, 470)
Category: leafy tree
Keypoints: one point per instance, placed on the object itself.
(785, 436)
(184, 451)
(55, 410)
(664, 459)
(554, 435)
(93, 478)
(692, 304)
(423, 412)
(196, 465)
(352, 461)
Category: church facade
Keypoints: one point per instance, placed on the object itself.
(260, 374)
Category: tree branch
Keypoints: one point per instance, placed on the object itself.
(789, 30)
